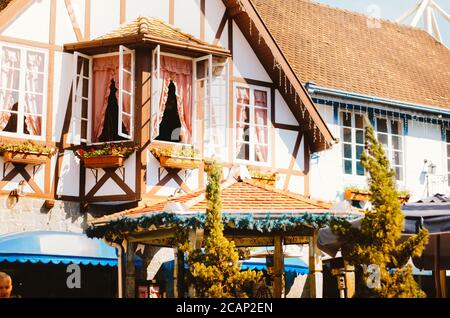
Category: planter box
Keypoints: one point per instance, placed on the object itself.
(24, 158)
(267, 181)
(179, 162)
(357, 196)
(403, 199)
(103, 162)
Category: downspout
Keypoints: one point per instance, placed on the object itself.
(119, 266)
(313, 88)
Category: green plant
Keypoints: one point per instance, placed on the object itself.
(174, 152)
(27, 147)
(215, 271)
(356, 189)
(377, 240)
(263, 175)
(119, 150)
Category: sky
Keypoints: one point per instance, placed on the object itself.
(392, 10)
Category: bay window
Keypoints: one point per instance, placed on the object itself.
(23, 87)
(103, 97)
(252, 113)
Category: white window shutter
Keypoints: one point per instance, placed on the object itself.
(126, 90)
(156, 93)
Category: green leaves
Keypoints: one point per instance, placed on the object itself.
(377, 241)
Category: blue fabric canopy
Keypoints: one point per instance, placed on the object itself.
(56, 248)
(294, 265)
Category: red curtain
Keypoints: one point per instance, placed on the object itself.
(243, 102)
(178, 71)
(34, 87)
(105, 69)
(261, 127)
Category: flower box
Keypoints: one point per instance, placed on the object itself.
(356, 195)
(403, 199)
(265, 180)
(179, 162)
(107, 161)
(24, 158)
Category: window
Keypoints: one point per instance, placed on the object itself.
(23, 87)
(252, 111)
(183, 87)
(390, 135)
(103, 97)
(352, 142)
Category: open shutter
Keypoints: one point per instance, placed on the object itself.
(217, 117)
(126, 93)
(81, 98)
(156, 92)
(202, 95)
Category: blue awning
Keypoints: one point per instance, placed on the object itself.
(56, 248)
(294, 265)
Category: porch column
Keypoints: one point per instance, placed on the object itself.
(130, 280)
(175, 273)
(350, 280)
(437, 267)
(315, 268)
(278, 268)
(195, 242)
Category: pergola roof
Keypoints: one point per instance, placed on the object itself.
(246, 206)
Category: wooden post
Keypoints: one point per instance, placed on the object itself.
(195, 242)
(443, 279)
(278, 268)
(350, 280)
(315, 268)
(130, 279)
(175, 273)
(436, 274)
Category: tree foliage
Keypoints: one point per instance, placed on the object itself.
(378, 239)
(215, 271)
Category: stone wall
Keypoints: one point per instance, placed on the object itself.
(29, 214)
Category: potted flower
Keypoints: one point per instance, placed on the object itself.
(26, 153)
(356, 194)
(176, 158)
(108, 156)
(268, 178)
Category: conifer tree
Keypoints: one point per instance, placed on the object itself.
(215, 271)
(377, 240)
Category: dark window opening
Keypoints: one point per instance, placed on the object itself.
(11, 126)
(110, 129)
(170, 127)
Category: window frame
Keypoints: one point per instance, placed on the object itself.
(21, 92)
(156, 59)
(390, 149)
(353, 142)
(252, 144)
(123, 50)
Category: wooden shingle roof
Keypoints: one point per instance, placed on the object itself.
(343, 50)
(153, 27)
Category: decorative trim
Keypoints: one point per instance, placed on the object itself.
(34, 44)
(73, 19)
(12, 11)
(293, 160)
(172, 12)
(220, 29)
(250, 81)
(123, 11)
(87, 20)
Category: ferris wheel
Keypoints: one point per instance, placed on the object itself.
(427, 10)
